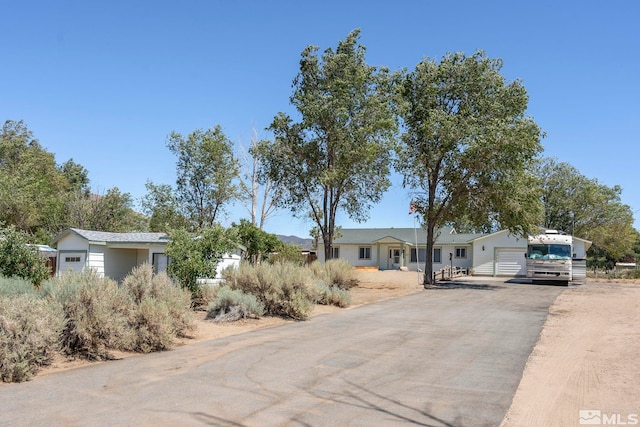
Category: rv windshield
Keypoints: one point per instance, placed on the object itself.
(549, 252)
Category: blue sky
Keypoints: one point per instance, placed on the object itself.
(104, 83)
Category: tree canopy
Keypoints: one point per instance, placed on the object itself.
(197, 256)
(337, 157)
(32, 188)
(586, 208)
(162, 207)
(468, 147)
(40, 197)
(257, 241)
(207, 174)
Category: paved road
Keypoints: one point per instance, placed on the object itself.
(445, 357)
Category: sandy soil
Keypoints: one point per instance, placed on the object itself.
(585, 358)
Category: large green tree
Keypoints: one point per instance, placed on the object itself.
(207, 174)
(257, 241)
(32, 188)
(162, 206)
(111, 211)
(197, 256)
(19, 259)
(586, 208)
(468, 147)
(337, 157)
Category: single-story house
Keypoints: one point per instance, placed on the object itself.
(114, 255)
(493, 254)
(110, 254)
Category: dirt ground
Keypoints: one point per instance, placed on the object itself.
(585, 358)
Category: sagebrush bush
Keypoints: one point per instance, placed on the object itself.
(30, 330)
(12, 286)
(153, 325)
(285, 289)
(143, 284)
(333, 295)
(336, 272)
(207, 295)
(97, 312)
(233, 304)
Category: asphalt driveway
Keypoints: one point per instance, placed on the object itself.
(442, 357)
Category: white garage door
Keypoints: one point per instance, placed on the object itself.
(71, 261)
(511, 263)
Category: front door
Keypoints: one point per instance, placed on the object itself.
(395, 258)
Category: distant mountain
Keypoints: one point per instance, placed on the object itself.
(295, 240)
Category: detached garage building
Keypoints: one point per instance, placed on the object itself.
(110, 254)
(494, 254)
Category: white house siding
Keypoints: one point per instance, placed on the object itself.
(487, 249)
(71, 248)
(72, 243)
(96, 259)
(463, 263)
(351, 253)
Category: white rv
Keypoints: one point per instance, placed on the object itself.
(550, 257)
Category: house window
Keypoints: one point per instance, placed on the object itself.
(461, 252)
(335, 252)
(437, 255)
(364, 252)
(72, 259)
(422, 255)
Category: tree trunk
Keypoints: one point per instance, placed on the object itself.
(327, 247)
(428, 267)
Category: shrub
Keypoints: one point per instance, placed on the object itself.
(97, 311)
(336, 272)
(333, 295)
(284, 289)
(154, 326)
(19, 259)
(12, 286)
(30, 329)
(207, 295)
(143, 284)
(233, 304)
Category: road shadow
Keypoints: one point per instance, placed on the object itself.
(363, 398)
(525, 281)
(444, 285)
